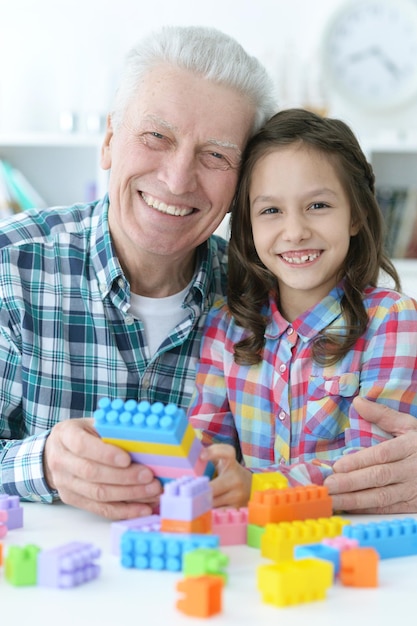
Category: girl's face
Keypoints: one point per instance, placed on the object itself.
(301, 223)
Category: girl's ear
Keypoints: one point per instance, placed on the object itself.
(354, 229)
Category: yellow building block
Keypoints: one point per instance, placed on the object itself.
(268, 480)
(279, 540)
(294, 582)
(163, 449)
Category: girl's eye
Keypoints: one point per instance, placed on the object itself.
(270, 210)
(318, 205)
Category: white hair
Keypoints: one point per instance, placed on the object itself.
(204, 51)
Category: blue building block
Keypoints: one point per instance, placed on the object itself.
(69, 565)
(392, 538)
(150, 523)
(11, 504)
(319, 551)
(160, 551)
(140, 421)
(186, 498)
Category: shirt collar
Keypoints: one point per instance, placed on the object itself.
(103, 256)
(313, 321)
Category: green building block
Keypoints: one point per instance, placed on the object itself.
(205, 562)
(254, 535)
(21, 565)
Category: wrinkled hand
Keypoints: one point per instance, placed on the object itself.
(381, 479)
(96, 476)
(232, 485)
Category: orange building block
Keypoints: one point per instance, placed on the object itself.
(359, 567)
(202, 596)
(287, 505)
(200, 525)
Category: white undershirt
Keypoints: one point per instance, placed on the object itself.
(159, 316)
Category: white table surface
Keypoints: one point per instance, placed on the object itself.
(130, 597)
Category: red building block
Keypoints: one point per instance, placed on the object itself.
(288, 505)
(359, 567)
(202, 596)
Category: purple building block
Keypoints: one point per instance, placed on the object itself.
(69, 565)
(151, 523)
(186, 498)
(11, 504)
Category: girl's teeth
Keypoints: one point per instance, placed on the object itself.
(300, 259)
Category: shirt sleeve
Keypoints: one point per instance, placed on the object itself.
(21, 459)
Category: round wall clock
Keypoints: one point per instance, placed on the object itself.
(369, 52)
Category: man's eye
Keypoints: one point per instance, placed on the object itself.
(157, 135)
(215, 161)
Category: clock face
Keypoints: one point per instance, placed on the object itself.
(370, 52)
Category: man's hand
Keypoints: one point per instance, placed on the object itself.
(96, 476)
(232, 485)
(381, 479)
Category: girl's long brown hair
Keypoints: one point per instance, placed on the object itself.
(250, 282)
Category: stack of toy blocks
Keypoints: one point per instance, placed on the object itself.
(155, 435)
(186, 504)
(11, 504)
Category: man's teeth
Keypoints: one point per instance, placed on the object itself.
(301, 259)
(170, 209)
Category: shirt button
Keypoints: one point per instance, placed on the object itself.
(129, 320)
(282, 415)
(290, 330)
(282, 461)
(146, 383)
(102, 287)
(121, 282)
(282, 368)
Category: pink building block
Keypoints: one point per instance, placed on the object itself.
(186, 498)
(11, 504)
(3, 523)
(231, 525)
(151, 523)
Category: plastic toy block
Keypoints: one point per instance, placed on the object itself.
(359, 567)
(181, 448)
(294, 582)
(160, 551)
(179, 462)
(393, 538)
(268, 480)
(3, 523)
(166, 473)
(254, 537)
(186, 498)
(201, 524)
(69, 565)
(11, 504)
(231, 525)
(1, 554)
(340, 542)
(287, 505)
(319, 551)
(202, 596)
(151, 523)
(279, 540)
(140, 421)
(21, 565)
(205, 561)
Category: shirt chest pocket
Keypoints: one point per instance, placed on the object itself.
(328, 402)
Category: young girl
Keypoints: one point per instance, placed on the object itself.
(306, 329)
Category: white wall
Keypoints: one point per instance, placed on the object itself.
(60, 55)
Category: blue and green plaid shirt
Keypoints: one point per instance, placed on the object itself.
(67, 338)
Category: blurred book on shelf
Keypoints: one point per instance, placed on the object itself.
(16, 192)
(399, 208)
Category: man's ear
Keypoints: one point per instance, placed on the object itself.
(105, 157)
